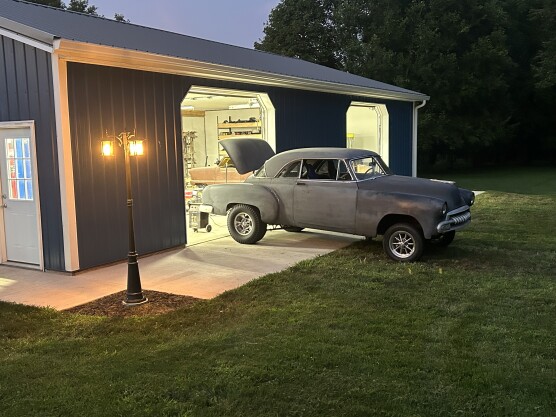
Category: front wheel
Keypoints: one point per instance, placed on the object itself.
(403, 242)
(245, 224)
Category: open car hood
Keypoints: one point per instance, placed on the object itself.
(247, 154)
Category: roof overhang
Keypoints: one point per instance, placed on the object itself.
(88, 53)
(26, 34)
(74, 51)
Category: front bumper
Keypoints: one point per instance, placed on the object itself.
(455, 220)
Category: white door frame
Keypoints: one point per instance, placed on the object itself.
(24, 124)
(383, 120)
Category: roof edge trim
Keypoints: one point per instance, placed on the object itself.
(26, 34)
(88, 53)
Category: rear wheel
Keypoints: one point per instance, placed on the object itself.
(245, 224)
(403, 242)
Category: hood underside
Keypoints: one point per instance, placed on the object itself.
(247, 154)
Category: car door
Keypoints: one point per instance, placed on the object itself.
(324, 197)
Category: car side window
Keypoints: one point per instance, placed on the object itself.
(309, 170)
(327, 169)
(290, 171)
(321, 169)
(343, 173)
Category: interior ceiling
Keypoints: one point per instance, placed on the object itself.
(208, 102)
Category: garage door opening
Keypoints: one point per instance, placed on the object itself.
(208, 116)
(367, 128)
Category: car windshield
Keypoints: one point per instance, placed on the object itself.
(370, 167)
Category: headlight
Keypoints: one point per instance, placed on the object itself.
(445, 209)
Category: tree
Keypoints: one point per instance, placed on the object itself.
(53, 3)
(120, 18)
(310, 34)
(81, 6)
(473, 58)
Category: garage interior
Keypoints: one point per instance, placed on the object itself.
(208, 116)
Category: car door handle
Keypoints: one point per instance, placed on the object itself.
(301, 183)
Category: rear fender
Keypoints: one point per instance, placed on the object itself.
(223, 196)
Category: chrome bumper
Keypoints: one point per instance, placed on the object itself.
(455, 220)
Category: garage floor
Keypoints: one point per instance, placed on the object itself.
(202, 271)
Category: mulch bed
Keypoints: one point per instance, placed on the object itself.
(111, 305)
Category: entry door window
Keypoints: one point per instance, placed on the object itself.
(18, 159)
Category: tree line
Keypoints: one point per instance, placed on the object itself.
(81, 6)
(489, 67)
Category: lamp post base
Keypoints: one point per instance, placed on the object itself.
(134, 302)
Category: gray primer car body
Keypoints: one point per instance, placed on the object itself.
(356, 204)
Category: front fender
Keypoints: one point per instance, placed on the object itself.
(372, 207)
(222, 196)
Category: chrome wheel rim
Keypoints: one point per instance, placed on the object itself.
(243, 223)
(402, 244)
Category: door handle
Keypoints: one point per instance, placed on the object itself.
(301, 183)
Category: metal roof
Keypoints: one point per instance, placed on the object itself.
(95, 30)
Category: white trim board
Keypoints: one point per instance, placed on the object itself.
(65, 162)
(26, 40)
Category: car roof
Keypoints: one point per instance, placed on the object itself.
(277, 162)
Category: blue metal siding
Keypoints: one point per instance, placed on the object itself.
(308, 119)
(26, 93)
(111, 99)
(114, 100)
(401, 136)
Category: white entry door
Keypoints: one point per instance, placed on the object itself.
(19, 197)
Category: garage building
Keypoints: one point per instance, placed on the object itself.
(70, 80)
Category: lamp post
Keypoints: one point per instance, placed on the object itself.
(131, 147)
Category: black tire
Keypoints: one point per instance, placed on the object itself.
(444, 239)
(293, 229)
(245, 224)
(208, 228)
(403, 242)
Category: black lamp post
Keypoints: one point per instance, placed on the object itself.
(131, 147)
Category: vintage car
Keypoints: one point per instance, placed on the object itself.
(343, 190)
(221, 173)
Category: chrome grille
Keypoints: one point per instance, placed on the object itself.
(461, 218)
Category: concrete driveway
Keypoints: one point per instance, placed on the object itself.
(202, 271)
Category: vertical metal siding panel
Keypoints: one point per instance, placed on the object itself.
(309, 119)
(4, 112)
(21, 80)
(26, 91)
(11, 79)
(147, 104)
(401, 120)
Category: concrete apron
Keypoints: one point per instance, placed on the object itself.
(204, 271)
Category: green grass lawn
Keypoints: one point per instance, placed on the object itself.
(469, 331)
